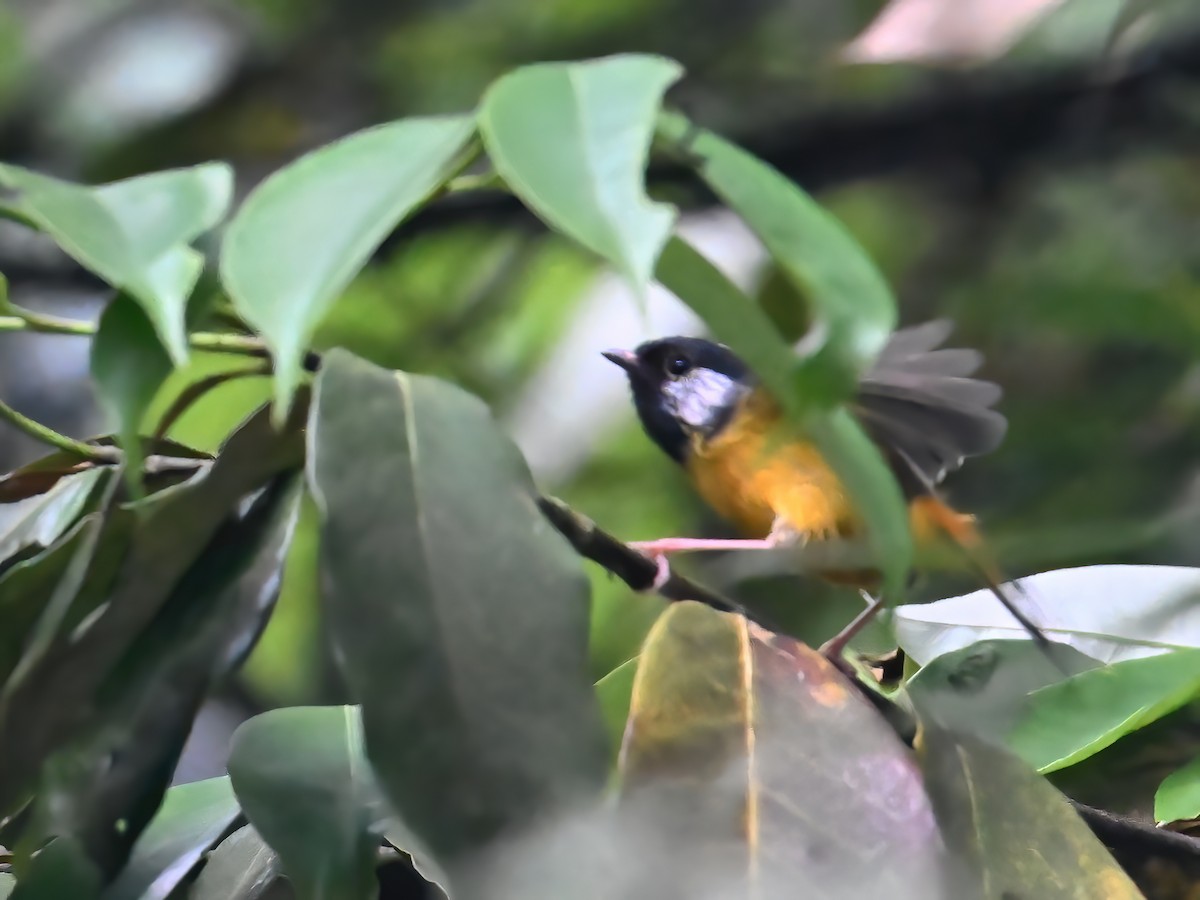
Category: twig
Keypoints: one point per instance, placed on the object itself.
(1126, 834)
(46, 435)
(244, 345)
(632, 567)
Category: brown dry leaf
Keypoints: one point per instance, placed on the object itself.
(769, 771)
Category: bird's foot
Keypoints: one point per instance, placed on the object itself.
(659, 550)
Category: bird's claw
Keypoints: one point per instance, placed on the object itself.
(662, 572)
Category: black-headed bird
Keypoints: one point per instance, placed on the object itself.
(705, 408)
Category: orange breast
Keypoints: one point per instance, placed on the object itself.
(753, 477)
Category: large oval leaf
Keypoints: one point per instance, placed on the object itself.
(303, 781)
(192, 818)
(458, 613)
(1069, 721)
(133, 233)
(572, 139)
(304, 233)
(57, 700)
(103, 788)
(1110, 613)
(1012, 834)
(984, 689)
(750, 748)
(242, 867)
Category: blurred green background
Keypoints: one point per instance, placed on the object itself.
(1027, 168)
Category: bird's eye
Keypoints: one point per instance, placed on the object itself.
(678, 365)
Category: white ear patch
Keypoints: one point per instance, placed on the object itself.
(702, 398)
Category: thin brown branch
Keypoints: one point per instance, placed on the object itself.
(632, 567)
(1160, 861)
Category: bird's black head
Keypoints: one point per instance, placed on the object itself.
(683, 386)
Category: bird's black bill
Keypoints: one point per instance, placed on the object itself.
(626, 359)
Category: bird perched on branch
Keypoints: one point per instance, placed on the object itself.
(704, 407)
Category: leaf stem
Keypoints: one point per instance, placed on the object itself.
(47, 435)
(484, 181)
(246, 345)
(19, 319)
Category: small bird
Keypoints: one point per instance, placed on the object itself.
(704, 407)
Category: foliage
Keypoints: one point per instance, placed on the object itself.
(139, 572)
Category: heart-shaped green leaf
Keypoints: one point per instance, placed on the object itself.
(305, 232)
(303, 781)
(133, 233)
(572, 140)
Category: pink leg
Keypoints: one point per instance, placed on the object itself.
(664, 546)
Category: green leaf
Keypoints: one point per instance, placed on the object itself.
(192, 818)
(133, 233)
(304, 783)
(7, 883)
(1010, 833)
(242, 867)
(60, 870)
(210, 418)
(1178, 797)
(733, 317)
(572, 140)
(466, 643)
(305, 232)
(614, 691)
(750, 749)
(59, 582)
(103, 788)
(859, 465)
(984, 689)
(1111, 613)
(853, 310)
(173, 528)
(1123, 777)
(128, 365)
(737, 321)
(1074, 719)
(38, 521)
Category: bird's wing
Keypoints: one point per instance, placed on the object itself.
(921, 406)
